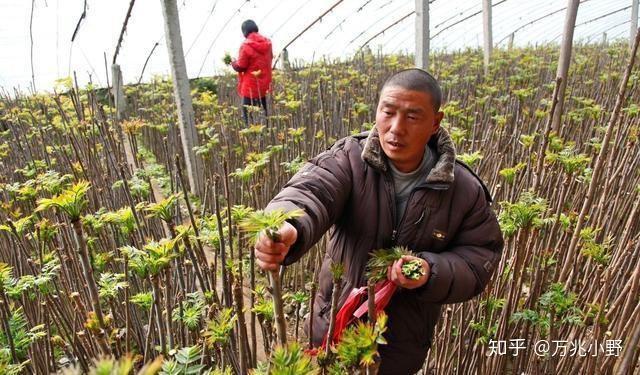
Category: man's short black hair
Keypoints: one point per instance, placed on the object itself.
(416, 79)
(248, 27)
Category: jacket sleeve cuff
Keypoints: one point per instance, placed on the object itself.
(437, 287)
(237, 67)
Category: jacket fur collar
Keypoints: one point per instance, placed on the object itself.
(442, 172)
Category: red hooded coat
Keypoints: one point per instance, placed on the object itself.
(254, 66)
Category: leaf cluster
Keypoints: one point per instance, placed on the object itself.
(71, 201)
(291, 360)
(185, 362)
(358, 345)
(269, 222)
(381, 259)
(219, 328)
(526, 213)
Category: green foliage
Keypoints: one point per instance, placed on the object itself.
(556, 144)
(291, 360)
(6, 275)
(485, 328)
(598, 252)
(51, 182)
(192, 311)
(570, 161)
(226, 60)
(209, 232)
(123, 219)
(255, 129)
(143, 299)
(413, 269)
(155, 257)
(31, 286)
(185, 362)
(71, 201)
(471, 159)
(296, 133)
(297, 297)
(11, 369)
(184, 231)
(360, 108)
(358, 345)
(164, 210)
(458, 135)
(527, 139)
(337, 270)
(294, 165)
(257, 162)
(556, 302)
(138, 187)
(94, 221)
(526, 213)
(263, 307)
(523, 94)
(509, 174)
(219, 328)
(110, 284)
(111, 366)
(269, 222)
(591, 314)
(240, 212)
(381, 259)
(21, 226)
(22, 335)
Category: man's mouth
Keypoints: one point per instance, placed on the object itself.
(395, 144)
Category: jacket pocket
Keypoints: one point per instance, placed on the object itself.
(324, 310)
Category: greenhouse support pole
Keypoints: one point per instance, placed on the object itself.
(118, 92)
(488, 33)
(121, 107)
(634, 22)
(565, 59)
(182, 94)
(422, 34)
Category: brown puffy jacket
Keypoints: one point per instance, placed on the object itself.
(348, 190)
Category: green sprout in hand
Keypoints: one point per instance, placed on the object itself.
(381, 259)
(413, 269)
(269, 222)
(226, 59)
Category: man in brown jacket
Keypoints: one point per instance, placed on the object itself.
(396, 185)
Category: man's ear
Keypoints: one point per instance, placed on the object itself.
(436, 120)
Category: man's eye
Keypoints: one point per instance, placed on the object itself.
(388, 113)
(413, 118)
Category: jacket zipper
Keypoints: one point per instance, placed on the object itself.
(389, 179)
(324, 309)
(394, 234)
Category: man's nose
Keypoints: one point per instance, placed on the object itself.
(397, 125)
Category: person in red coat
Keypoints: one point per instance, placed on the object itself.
(254, 68)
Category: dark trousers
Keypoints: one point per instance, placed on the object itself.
(256, 102)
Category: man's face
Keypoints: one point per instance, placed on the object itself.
(405, 120)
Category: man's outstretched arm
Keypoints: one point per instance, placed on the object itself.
(321, 189)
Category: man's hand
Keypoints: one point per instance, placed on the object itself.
(394, 273)
(269, 254)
